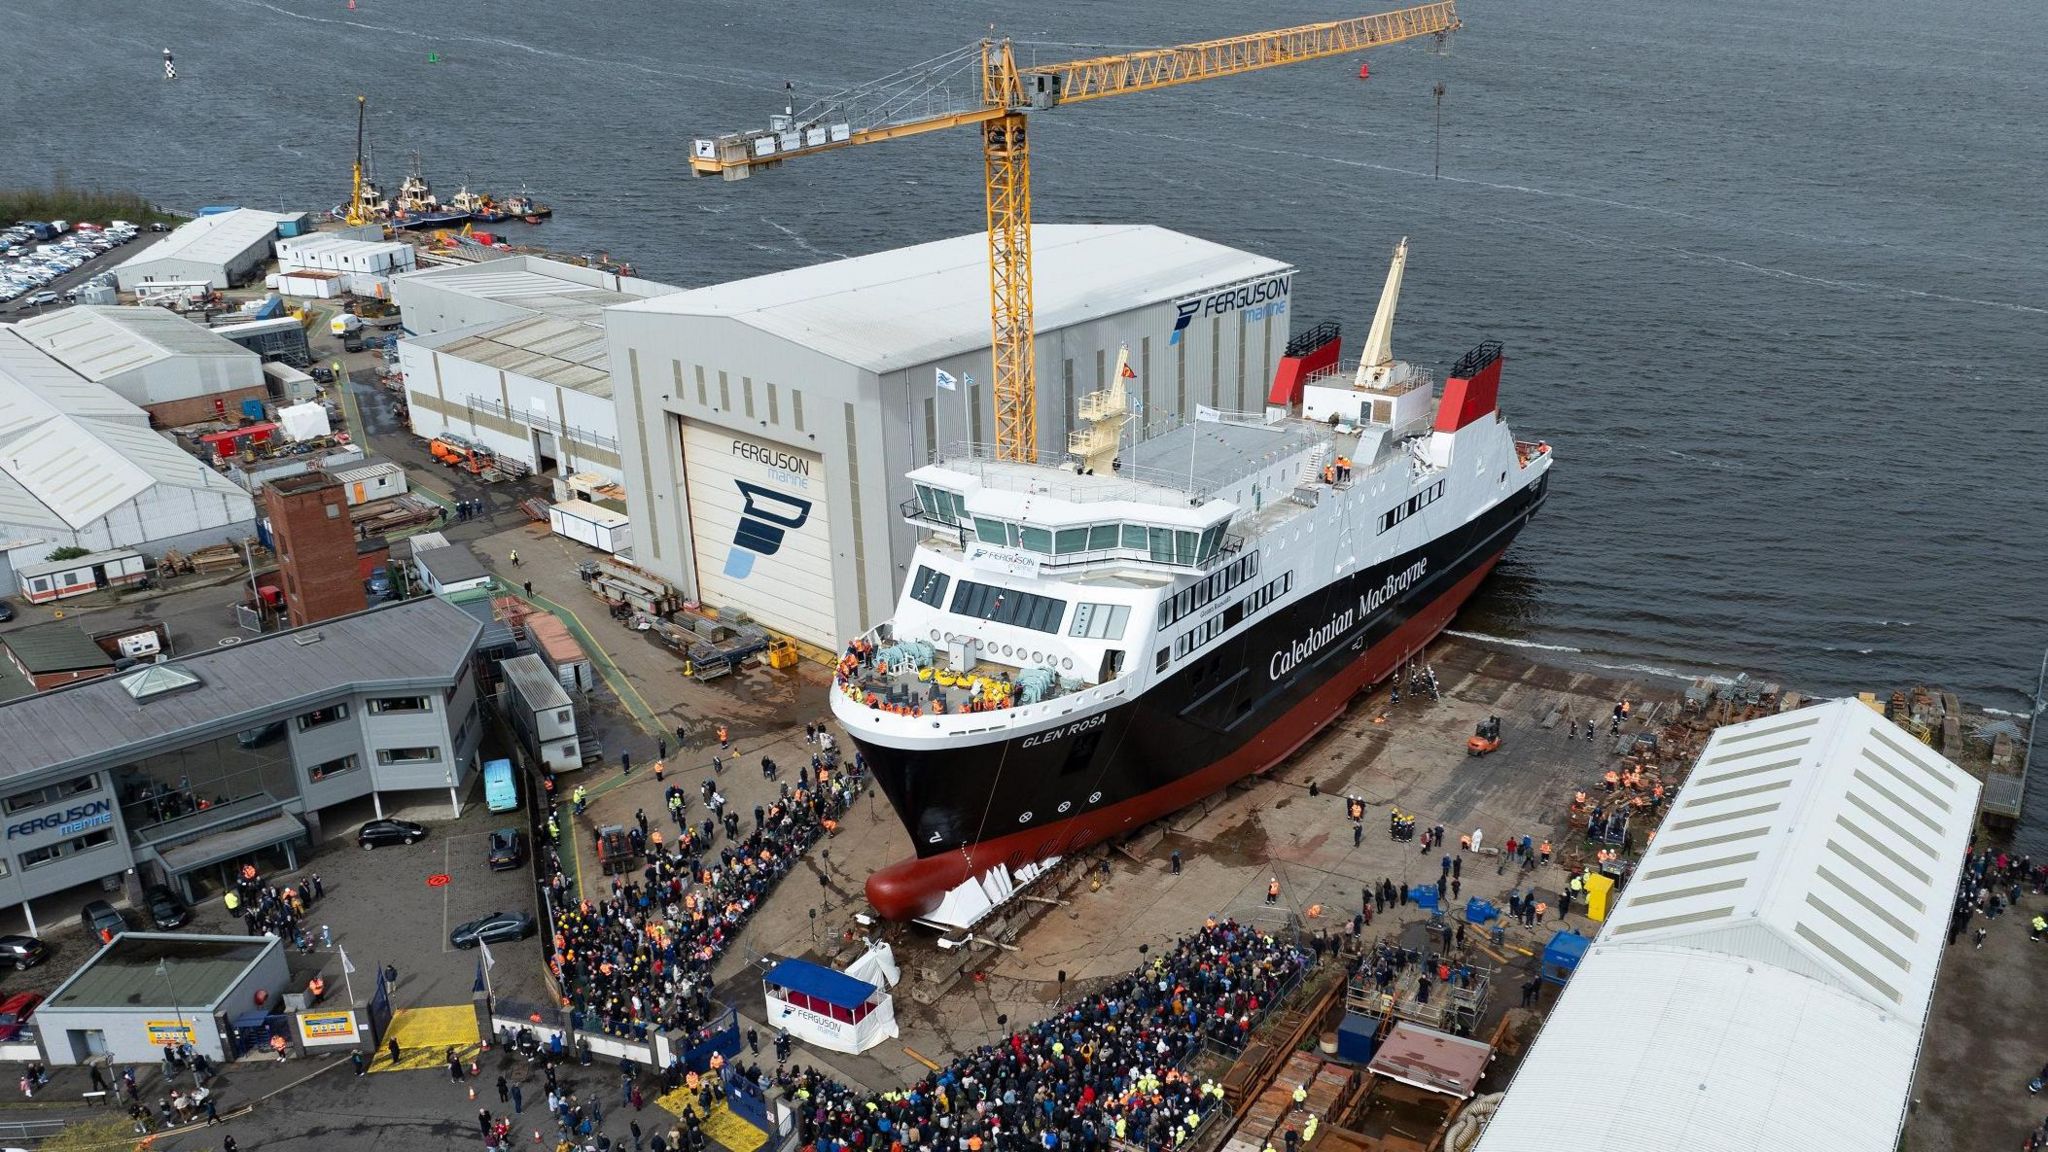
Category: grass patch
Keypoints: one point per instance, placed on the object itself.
(62, 201)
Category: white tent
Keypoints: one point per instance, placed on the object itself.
(306, 421)
(831, 1009)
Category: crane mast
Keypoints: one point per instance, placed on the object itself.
(997, 97)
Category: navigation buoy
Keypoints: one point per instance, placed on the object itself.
(433, 57)
(1364, 70)
(170, 72)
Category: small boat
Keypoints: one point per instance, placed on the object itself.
(417, 206)
(527, 208)
(482, 208)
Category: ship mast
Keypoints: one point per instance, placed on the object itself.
(1378, 361)
(1103, 413)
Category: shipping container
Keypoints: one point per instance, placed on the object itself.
(595, 525)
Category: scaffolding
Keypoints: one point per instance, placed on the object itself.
(1455, 1005)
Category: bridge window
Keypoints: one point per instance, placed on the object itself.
(991, 531)
(1068, 541)
(929, 587)
(1008, 606)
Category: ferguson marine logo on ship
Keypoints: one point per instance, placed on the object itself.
(1294, 654)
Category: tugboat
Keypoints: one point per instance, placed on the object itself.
(527, 208)
(482, 209)
(418, 208)
(1085, 646)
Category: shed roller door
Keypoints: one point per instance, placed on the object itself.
(759, 514)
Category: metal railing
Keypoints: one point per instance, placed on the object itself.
(544, 423)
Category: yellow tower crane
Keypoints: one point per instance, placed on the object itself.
(353, 214)
(997, 94)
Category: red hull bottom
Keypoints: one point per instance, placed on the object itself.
(911, 888)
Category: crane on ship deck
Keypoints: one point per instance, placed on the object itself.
(983, 85)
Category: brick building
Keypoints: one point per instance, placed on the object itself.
(316, 547)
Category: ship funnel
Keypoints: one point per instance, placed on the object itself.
(1377, 364)
(1103, 414)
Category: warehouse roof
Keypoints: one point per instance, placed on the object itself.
(424, 640)
(566, 291)
(55, 648)
(1764, 980)
(61, 467)
(569, 353)
(102, 340)
(214, 239)
(29, 371)
(910, 306)
(197, 973)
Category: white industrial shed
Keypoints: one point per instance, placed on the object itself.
(537, 389)
(80, 467)
(799, 400)
(1764, 981)
(150, 357)
(511, 354)
(464, 295)
(220, 250)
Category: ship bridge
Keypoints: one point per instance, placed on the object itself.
(1166, 502)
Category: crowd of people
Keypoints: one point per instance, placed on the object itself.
(268, 908)
(640, 957)
(1111, 1066)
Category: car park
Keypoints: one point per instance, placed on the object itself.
(103, 920)
(23, 952)
(507, 849)
(15, 1013)
(496, 928)
(166, 911)
(383, 833)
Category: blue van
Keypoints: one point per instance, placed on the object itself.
(501, 793)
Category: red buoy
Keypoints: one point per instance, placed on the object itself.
(1364, 70)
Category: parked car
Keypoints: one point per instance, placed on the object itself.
(6, 611)
(102, 920)
(322, 374)
(24, 952)
(14, 1013)
(507, 850)
(496, 928)
(42, 298)
(379, 833)
(166, 911)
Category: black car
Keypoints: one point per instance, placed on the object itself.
(507, 850)
(166, 911)
(378, 833)
(22, 951)
(6, 611)
(101, 919)
(497, 928)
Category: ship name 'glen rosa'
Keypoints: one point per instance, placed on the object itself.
(1370, 602)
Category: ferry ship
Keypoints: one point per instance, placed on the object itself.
(1086, 646)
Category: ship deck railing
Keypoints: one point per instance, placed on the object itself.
(904, 688)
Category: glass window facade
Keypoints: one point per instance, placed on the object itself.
(253, 765)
